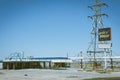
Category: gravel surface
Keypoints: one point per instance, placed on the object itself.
(49, 74)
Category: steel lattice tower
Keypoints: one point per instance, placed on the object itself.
(97, 23)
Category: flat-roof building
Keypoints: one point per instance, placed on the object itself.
(39, 62)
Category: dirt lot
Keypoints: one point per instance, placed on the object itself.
(49, 74)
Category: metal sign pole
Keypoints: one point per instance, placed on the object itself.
(105, 66)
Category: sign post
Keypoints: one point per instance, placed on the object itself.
(104, 35)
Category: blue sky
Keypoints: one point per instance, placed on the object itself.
(52, 27)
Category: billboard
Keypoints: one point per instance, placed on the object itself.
(104, 34)
(104, 45)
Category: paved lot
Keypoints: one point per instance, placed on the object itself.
(47, 74)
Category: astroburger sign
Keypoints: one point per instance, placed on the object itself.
(104, 34)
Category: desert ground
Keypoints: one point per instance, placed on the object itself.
(51, 74)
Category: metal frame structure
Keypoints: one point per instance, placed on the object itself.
(93, 50)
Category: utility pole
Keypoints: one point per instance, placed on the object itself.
(81, 60)
(97, 23)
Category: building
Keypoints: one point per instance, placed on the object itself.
(37, 63)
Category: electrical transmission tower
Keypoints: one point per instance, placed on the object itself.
(93, 50)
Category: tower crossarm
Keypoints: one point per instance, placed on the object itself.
(97, 5)
(97, 15)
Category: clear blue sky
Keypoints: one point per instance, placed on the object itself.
(52, 27)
